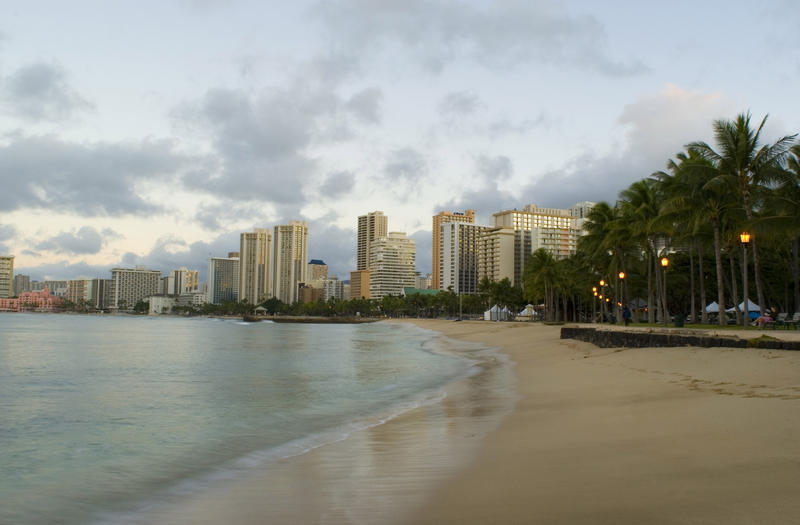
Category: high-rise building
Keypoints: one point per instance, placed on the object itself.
(391, 265)
(223, 279)
(458, 256)
(102, 293)
(332, 288)
(254, 266)
(79, 291)
(22, 283)
(370, 226)
(440, 218)
(359, 284)
(131, 285)
(496, 255)
(556, 230)
(6, 276)
(184, 281)
(317, 270)
(290, 256)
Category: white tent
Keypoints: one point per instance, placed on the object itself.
(751, 307)
(713, 308)
(495, 313)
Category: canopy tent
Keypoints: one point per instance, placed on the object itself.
(753, 311)
(713, 308)
(495, 313)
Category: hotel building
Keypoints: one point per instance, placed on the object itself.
(223, 279)
(556, 230)
(436, 246)
(496, 255)
(254, 266)
(458, 256)
(289, 260)
(391, 265)
(131, 285)
(359, 284)
(6, 276)
(370, 226)
(22, 283)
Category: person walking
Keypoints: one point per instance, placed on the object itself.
(626, 315)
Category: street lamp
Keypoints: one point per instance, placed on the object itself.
(620, 277)
(744, 237)
(664, 264)
(594, 301)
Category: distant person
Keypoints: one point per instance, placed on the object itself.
(626, 315)
(764, 319)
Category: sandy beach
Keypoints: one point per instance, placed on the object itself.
(559, 431)
(668, 435)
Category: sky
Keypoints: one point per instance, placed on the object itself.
(154, 133)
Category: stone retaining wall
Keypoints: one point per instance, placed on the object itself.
(639, 339)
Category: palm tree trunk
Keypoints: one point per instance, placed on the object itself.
(720, 283)
(796, 271)
(703, 302)
(659, 315)
(756, 260)
(692, 309)
(735, 292)
(651, 314)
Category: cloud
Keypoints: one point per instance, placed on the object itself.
(366, 105)
(405, 165)
(40, 92)
(489, 194)
(459, 104)
(7, 232)
(64, 270)
(497, 35)
(86, 179)
(423, 239)
(656, 127)
(262, 141)
(85, 241)
(335, 245)
(337, 184)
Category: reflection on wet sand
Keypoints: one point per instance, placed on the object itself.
(379, 475)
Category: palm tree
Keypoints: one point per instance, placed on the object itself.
(783, 213)
(542, 280)
(740, 161)
(697, 194)
(639, 207)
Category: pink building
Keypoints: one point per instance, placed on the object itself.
(41, 300)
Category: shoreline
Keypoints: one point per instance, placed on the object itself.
(634, 435)
(379, 474)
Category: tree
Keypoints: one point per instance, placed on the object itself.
(743, 163)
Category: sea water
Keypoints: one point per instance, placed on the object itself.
(99, 414)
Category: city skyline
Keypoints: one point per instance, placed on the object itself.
(155, 134)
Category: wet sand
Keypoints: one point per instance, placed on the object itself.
(380, 475)
(596, 436)
(654, 435)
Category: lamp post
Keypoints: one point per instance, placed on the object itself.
(602, 302)
(744, 237)
(664, 312)
(620, 296)
(594, 300)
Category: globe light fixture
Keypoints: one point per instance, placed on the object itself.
(664, 262)
(621, 275)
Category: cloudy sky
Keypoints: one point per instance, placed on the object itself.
(154, 132)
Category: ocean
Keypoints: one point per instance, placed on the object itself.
(103, 416)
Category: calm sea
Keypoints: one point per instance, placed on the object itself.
(99, 414)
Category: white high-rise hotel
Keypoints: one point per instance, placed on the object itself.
(254, 268)
(290, 259)
(391, 265)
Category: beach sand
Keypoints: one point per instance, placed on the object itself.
(651, 435)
